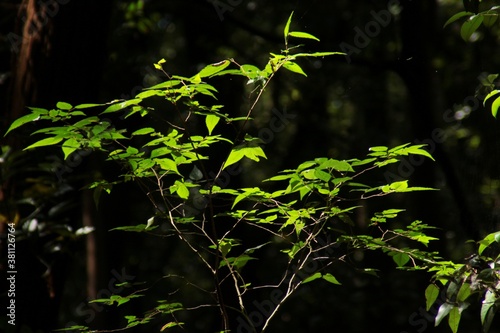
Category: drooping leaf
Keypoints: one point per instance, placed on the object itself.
(330, 278)
(457, 16)
(69, 146)
(454, 319)
(293, 67)
(492, 93)
(443, 311)
(211, 121)
(34, 116)
(431, 294)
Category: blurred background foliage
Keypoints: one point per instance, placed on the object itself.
(407, 79)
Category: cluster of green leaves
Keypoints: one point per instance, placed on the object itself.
(479, 277)
(474, 20)
(297, 209)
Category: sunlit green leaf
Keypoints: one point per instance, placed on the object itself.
(211, 121)
(64, 106)
(287, 27)
(34, 116)
(330, 278)
(313, 277)
(45, 142)
(293, 67)
(214, 68)
(299, 34)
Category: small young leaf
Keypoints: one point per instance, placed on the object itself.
(313, 277)
(400, 258)
(64, 106)
(69, 146)
(213, 68)
(34, 116)
(299, 34)
(287, 27)
(330, 278)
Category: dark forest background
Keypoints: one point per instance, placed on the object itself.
(410, 80)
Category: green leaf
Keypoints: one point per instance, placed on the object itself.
(470, 26)
(400, 258)
(488, 310)
(495, 106)
(493, 93)
(182, 190)
(443, 311)
(330, 278)
(299, 34)
(239, 152)
(456, 17)
(135, 228)
(214, 68)
(287, 27)
(69, 146)
(454, 319)
(34, 116)
(487, 241)
(293, 67)
(122, 105)
(144, 131)
(45, 142)
(317, 54)
(86, 106)
(431, 294)
(64, 106)
(313, 277)
(211, 121)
